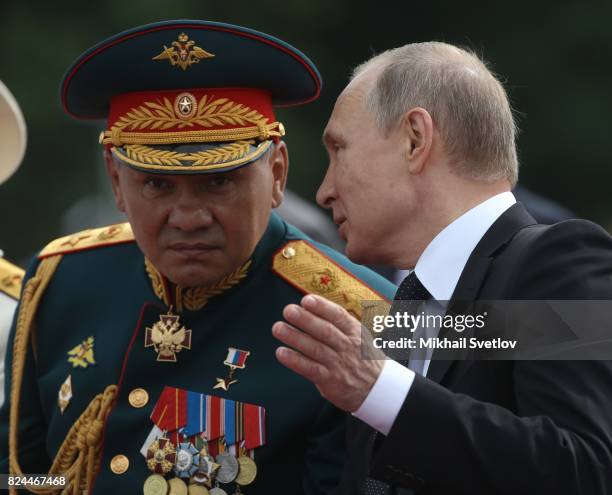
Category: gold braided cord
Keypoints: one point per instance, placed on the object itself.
(117, 137)
(31, 297)
(149, 158)
(221, 154)
(157, 282)
(78, 458)
(194, 298)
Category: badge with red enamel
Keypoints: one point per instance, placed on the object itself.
(161, 456)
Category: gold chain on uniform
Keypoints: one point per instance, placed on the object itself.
(193, 298)
(79, 456)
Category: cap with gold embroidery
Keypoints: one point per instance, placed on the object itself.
(189, 96)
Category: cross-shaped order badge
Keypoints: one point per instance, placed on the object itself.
(168, 337)
(236, 359)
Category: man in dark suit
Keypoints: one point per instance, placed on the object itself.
(428, 128)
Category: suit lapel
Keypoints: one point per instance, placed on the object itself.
(474, 274)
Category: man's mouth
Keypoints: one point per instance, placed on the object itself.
(341, 222)
(191, 249)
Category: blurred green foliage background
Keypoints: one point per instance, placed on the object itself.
(555, 59)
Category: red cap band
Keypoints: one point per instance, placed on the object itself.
(190, 110)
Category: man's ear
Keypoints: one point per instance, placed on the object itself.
(418, 131)
(112, 170)
(279, 161)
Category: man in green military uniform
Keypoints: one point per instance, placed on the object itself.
(142, 354)
(13, 137)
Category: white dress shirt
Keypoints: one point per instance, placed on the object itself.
(438, 269)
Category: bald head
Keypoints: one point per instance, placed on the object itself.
(468, 105)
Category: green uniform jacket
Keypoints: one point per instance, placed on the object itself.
(106, 293)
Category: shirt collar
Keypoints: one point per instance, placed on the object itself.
(445, 257)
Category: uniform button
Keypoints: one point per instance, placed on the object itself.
(288, 252)
(138, 397)
(119, 464)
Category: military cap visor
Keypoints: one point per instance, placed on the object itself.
(187, 82)
(13, 135)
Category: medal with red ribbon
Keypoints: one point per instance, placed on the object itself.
(170, 412)
(254, 426)
(191, 428)
(211, 417)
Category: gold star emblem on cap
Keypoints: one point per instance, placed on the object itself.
(185, 105)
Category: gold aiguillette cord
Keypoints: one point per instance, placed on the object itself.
(78, 458)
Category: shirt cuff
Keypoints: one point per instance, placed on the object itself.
(383, 403)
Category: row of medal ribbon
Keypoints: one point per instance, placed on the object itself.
(191, 413)
(218, 437)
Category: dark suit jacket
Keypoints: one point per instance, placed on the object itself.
(506, 427)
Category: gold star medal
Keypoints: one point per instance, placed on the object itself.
(236, 359)
(168, 337)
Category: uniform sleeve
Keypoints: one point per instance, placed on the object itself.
(325, 452)
(32, 455)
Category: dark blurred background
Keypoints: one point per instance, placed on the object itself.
(555, 59)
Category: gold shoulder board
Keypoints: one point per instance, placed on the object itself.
(89, 239)
(11, 277)
(311, 271)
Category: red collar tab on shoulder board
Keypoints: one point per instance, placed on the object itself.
(89, 239)
(312, 272)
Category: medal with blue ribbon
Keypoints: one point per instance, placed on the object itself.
(204, 438)
(235, 360)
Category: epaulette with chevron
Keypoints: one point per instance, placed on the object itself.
(11, 277)
(89, 239)
(313, 272)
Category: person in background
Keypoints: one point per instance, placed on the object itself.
(13, 138)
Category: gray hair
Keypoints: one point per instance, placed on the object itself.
(467, 103)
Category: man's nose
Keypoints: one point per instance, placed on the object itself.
(190, 213)
(327, 192)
